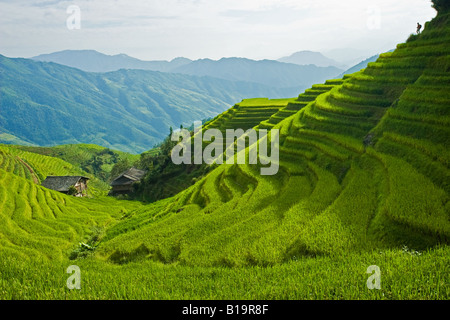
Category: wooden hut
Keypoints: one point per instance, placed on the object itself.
(123, 184)
(74, 185)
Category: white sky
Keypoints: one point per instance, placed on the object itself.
(165, 29)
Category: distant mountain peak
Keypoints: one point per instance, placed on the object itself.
(307, 57)
(180, 59)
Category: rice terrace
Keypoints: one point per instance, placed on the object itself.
(358, 208)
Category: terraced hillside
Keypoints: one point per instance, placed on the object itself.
(294, 106)
(363, 166)
(245, 115)
(363, 180)
(38, 222)
(37, 167)
(95, 160)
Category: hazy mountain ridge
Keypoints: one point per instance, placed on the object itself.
(94, 61)
(307, 57)
(268, 72)
(130, 110)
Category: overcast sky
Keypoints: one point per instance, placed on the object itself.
(165, 29)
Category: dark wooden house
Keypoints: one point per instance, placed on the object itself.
(74, 185)
(123, 184)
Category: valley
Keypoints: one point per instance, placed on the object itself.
(363, 181)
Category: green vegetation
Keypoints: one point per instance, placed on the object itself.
(37, 167)
(93, 159)
(441, 5)
(164, 179)
(38, 222)
(363, 180)
(405, 275)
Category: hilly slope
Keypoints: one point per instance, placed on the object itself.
(42, 222)
(130, 110)
(92, 159)
(165, 179)
(36, 167)
(363, 166)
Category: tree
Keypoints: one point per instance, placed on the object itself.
(119, 167)
(441, 5)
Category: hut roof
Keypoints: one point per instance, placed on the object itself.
(128, 177)
(61, 183)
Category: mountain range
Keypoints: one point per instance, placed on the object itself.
(47, 104)
(268, 72)
(83, 96)
(94, 61)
